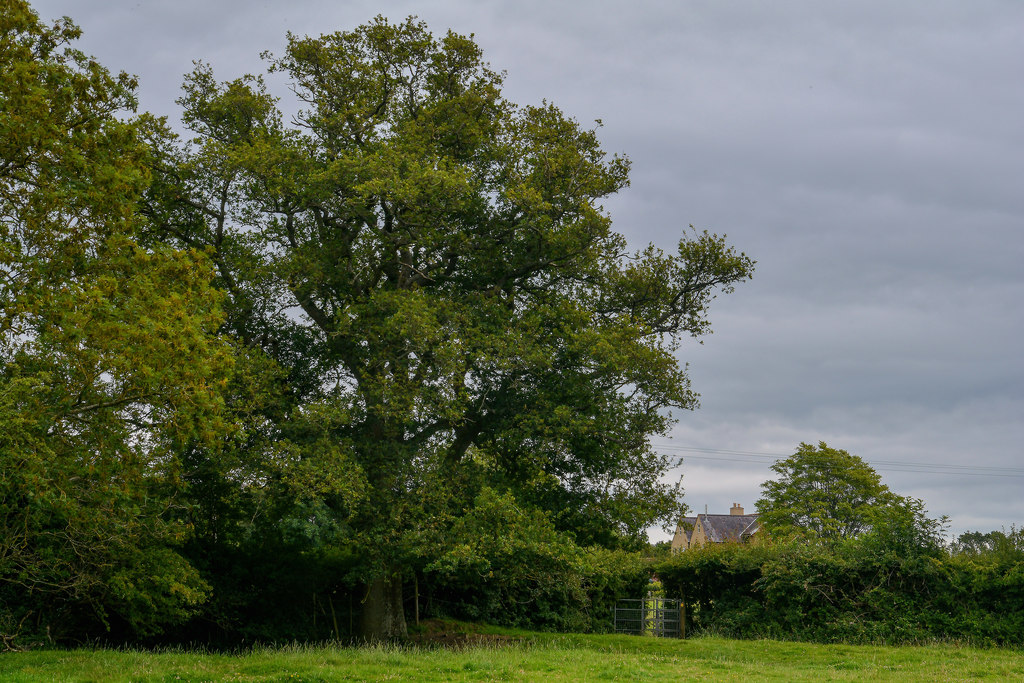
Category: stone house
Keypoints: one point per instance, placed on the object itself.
(735, 527)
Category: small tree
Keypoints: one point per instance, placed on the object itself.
(822, 492)
(994, 543)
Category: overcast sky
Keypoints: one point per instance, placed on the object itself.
(869, 155)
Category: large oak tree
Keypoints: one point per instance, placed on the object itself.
(431, 268)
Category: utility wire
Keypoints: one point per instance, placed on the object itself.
(725, 455)
(780, 456)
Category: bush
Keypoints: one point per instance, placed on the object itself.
(509, 565)
(872, 589)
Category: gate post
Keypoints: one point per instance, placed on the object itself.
(682, 618)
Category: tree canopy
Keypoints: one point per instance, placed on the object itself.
(823, 492)
(431, 267)
(394, 332)
(107, 351)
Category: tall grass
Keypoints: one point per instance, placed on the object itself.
(537, 657)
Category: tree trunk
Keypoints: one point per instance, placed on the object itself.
(383, 613)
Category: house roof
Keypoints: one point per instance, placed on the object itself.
(722, 528)
(686, 527)
(752, 528)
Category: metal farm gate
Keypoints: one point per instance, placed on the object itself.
(659, 617)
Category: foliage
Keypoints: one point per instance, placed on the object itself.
(506, 564)
(436, 300)
(106, 354)
(1002, 544)
(394, 341)
(896, 583)
(823, 493)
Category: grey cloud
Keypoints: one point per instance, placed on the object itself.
(868, 155)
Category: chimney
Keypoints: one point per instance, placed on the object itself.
(736, 509)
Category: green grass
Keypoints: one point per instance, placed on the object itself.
(540, 657)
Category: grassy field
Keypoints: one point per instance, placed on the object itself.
(537, 657)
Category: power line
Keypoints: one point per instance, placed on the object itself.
(723, 455)
(780, 456)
